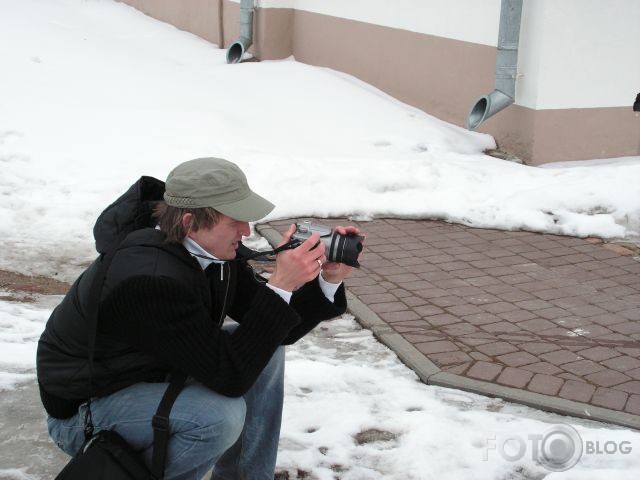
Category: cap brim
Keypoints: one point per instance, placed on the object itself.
(249, 209)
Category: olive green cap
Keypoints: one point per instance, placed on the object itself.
(215, 183)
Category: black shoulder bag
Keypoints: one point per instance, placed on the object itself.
(105, 455)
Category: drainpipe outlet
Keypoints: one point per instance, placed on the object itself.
(237, 49)
(242, 44)
(487, 106)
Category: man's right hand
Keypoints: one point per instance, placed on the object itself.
(300, 265)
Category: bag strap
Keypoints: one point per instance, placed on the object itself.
(160, 420)
(160, 424)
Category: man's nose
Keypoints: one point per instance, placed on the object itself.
(244, 229)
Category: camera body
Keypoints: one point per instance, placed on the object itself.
(338, 248)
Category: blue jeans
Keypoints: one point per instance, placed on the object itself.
(236, 436)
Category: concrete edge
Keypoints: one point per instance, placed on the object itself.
(431, 374)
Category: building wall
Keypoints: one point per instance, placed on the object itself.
(574, 89)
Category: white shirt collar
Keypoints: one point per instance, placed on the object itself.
(194, 249)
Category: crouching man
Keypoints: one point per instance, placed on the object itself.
(173, 280)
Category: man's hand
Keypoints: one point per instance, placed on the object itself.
(334, 272)
(300, 265)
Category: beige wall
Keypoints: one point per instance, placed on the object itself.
(441, 76)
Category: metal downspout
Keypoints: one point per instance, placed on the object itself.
(506, 66)
(241, 45)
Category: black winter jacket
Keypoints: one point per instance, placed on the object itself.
(160, 312)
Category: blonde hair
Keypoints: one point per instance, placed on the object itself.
(169, 219)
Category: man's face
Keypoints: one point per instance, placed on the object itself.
(222, 239)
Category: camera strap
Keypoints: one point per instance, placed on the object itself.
(250, 254)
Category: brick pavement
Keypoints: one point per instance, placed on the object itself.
(547, 314)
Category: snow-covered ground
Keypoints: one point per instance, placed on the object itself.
(93, 94)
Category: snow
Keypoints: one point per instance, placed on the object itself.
(340, 384)
(94, 94)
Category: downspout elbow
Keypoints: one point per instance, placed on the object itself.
(487, 106)
(237, 49)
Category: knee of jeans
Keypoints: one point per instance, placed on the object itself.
(227, 421)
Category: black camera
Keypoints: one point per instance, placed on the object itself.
(339, 248)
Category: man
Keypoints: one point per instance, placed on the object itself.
(173, 280)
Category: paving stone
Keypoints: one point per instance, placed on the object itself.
(367, 290)
(448, 358)
(597, 354)
(607, 319)
(635, 373)
(462, 310)
(545, 384)
(500, 327)
(560, 357)
(514, 377)
(442, 319)
(390, 270)
(606, 378)
(543, 368)
(517, 359)
(400, 316)
(570, 376)
(415, 324)
(517, 316)
(431, 293)
(438, 346)
(400, 293)
(622, 363)
(609, 398)
(630, 387)
(626, 328)
(483, 281)
(416, 338)
(456, 369)
(582, 367)
(499, 307)
(481, 318)
(426, 310)
(496, 348)
(459, 329)
(377, 298)
(633, 314)
(587, 311)
(448, 301)
(475, 339)
(412, 301)
(578, 391)
(388, 307)
(536, 348)
(482, 299)
(417, 285)
(633, 405)
(536, 324)
(533, 305)
(480, 356)
(484, 371)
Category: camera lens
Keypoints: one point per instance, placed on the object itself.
(345, 249)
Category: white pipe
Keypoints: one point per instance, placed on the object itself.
(506, 66)
(242, 44)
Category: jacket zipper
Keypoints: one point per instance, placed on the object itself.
(226, 293)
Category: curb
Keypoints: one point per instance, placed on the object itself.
(431, 374)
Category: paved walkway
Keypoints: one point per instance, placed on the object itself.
(544, 320)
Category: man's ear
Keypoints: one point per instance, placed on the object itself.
(187, 222)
